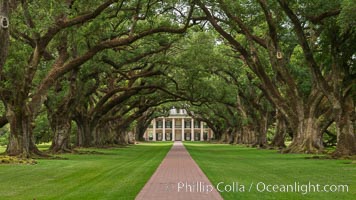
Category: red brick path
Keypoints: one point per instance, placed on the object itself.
(178, 177)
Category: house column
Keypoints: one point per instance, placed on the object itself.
(164, 130)
(209, 135)
(154, 129)
(192, 129)
(145, 135)
(201, 131)
(182, 129)
(173, 129)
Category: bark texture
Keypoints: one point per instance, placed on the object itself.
(61, 127)
(281, 130)
(21, 142)
(4, 33)
(346, 136)
(307, 138)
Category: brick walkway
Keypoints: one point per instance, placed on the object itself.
(178, 177)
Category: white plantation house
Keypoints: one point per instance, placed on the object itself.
(178, 126)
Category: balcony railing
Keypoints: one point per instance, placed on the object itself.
(160, 126)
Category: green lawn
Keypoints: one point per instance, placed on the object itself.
(118, 173)
(246, 166)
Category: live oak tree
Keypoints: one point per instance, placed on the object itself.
(250, 53)
(123, 100)
(88, 94)
(113, 65)
(46, 46)
(262, 33)
(17, 83)
(60, 104)
(217, 90)
(330, 63)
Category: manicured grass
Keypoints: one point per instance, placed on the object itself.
(246, 166)
(117, 173)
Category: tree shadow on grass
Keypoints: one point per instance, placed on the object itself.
(331, 157)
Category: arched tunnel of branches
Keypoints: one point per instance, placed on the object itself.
(269, 74)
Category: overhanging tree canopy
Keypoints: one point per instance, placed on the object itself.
(243, 67)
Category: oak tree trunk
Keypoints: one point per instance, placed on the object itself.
(280, 132)
(84, 133)
(345, 127)
(248, 135)
(235, 135)
(104, 134)
(123, 137)
(261, 128)
(307, 138)
(61, 128)
(140, 130)
(20, 140)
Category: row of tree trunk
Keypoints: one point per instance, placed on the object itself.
(306, 114)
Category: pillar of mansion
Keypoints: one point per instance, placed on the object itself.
(178, 126)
